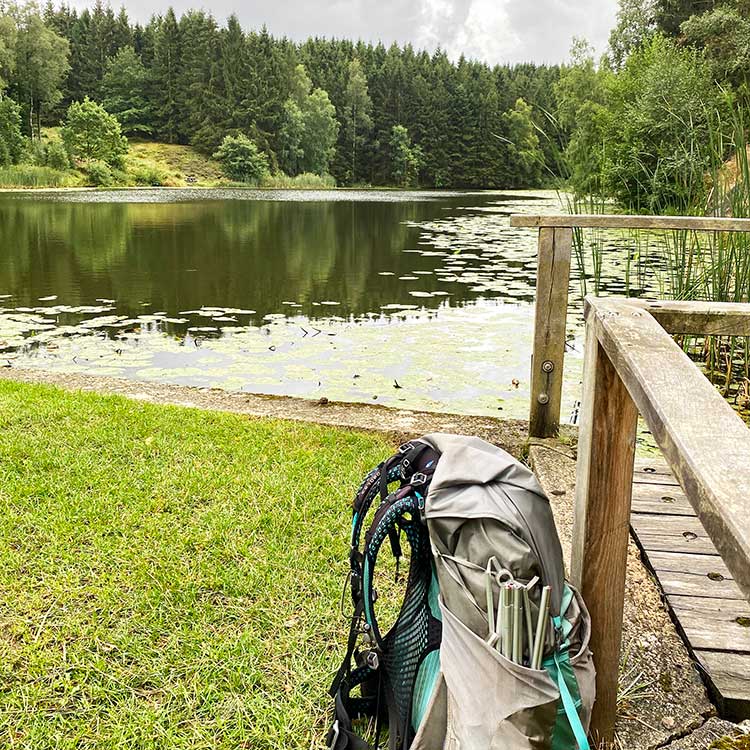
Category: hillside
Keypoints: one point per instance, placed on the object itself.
(172, 164)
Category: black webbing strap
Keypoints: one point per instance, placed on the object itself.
(345, 667)
(340, 735)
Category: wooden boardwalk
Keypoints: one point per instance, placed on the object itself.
(709, 609)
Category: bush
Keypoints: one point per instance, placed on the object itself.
(91, 133)
(56, 155)
(149, 176)
(100, 173)
(241, 160)
(11, 141)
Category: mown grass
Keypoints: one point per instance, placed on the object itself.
(169, 578)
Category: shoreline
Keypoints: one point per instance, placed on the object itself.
(510, 434)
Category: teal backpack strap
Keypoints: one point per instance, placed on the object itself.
(561, 671)
(569, 704)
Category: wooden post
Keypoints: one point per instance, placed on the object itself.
(606, 450)
(552, 279)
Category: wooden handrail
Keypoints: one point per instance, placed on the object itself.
(618, 221)
(553, 278)
(633, 365)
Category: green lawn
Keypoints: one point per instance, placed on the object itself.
(169, 578)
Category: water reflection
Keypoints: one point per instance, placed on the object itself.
(267, 294)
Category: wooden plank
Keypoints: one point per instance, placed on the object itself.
(643, 477)
(686, 527)
(694, 585)
(716, 630)
(661, 499)
(610, 221)
(680, 534)
(707, 445)
(700, 565)
(705, 318)
(606, 450)
(729, 682)
(652, 465)
(724, 609)
(553, 277)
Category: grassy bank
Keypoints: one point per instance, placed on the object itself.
(169, 578)
(149, 164)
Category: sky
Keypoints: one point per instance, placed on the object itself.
(494, 31)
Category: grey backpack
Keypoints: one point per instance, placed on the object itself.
(489, 650)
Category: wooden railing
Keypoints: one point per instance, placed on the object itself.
(632, 366)
(553, 278)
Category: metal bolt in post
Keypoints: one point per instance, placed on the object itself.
(548, 366)
(543, 398)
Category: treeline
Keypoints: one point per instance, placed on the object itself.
(654, 123)
(362, 112)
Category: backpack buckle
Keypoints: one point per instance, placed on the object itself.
(418, 479)
(405, 448)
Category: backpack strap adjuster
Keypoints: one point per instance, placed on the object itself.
(405, 448)
(418, 479)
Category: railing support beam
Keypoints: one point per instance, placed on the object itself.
(606, 451)
(553, 278)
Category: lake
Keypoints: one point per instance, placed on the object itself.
(408, 299)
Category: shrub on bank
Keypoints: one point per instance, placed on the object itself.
(99, 173)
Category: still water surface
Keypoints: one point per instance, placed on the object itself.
(419, 300)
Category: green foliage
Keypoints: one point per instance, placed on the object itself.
(662, 109)
(304, 181)
(149, 176)
(56, 155)
(357, 112)
(124, 88)
(30, 175)
(647, 135)
(636, 22)
(100, 173)
(165, 78)
(11, 141)
(8, 33)
(90, 132)
(307, 139)
(523, 145)
(320, 106)
(724, 36)
(405, 156)
(241, 159)
(669, 15)
(41, 62)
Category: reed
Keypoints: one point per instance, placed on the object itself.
(33, 176)
(686, 265)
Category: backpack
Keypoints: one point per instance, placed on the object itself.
(441, 678)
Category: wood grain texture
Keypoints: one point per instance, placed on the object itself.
(614, 221)
(553, 277)
(704, 441)
(730, 678)
(701, 565)
(703, 318)
(606, 450)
